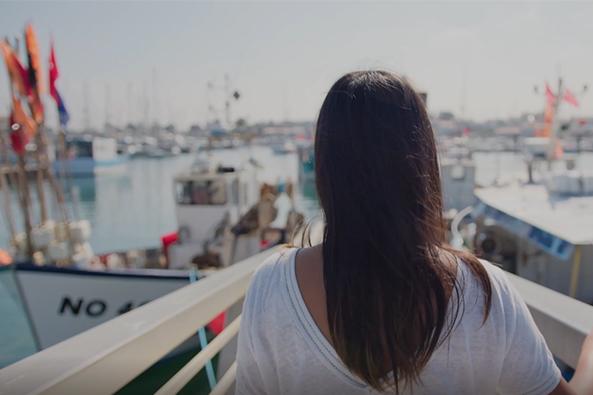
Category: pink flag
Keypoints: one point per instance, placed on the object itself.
(570, 98)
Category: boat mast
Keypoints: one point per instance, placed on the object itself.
(227, 101)
(86, 115)
(555, 122)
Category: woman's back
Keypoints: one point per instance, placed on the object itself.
(382, 303)
(283, 351)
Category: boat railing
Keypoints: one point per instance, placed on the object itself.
(105, 358)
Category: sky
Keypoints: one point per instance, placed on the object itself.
(135, 61)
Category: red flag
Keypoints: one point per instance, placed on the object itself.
(54, 73)
(570, 98)
(22, 127)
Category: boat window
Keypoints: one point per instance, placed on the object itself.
(207, 192)
(79, 149)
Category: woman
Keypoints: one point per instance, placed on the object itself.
(382, 304)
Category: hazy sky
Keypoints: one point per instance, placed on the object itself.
(480, 59)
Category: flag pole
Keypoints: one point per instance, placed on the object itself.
(22, 185)
(40, 174)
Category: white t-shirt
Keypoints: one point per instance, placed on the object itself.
(282, 351)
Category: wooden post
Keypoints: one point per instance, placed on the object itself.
(7, 206)
(25, 202)
(40, 173)
(64, 174)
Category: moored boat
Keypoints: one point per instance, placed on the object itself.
(90, 156)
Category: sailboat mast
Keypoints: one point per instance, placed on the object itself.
(227, 101)
(556, 121)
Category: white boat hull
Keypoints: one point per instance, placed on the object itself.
(63, 302)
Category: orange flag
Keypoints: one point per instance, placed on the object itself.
(35, 75)
(19, 77)
(546, 130)
(19, 116)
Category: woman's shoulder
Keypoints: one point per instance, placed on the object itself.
(497, 276)
(269, 278)
(274, 264)
(504, 297)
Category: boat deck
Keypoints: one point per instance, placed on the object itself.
(568, 218)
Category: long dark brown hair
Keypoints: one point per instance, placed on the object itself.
(387, 280)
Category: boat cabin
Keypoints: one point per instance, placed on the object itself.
(208, 201)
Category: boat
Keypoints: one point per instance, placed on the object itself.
(222, 213)
(283, 147)
(540, 226)
(90, 156)
(541, 231)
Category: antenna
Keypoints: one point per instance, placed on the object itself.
(144, 104)
(210, 113)
(85, 109)
(227, 101)
(155, 97)
(107, 105)
(285, 109)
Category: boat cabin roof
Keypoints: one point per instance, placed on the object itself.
(207, 175)
(565, 217)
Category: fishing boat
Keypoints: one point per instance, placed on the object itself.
(90, 156)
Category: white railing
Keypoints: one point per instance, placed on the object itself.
(107, 357)
(564, 321)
